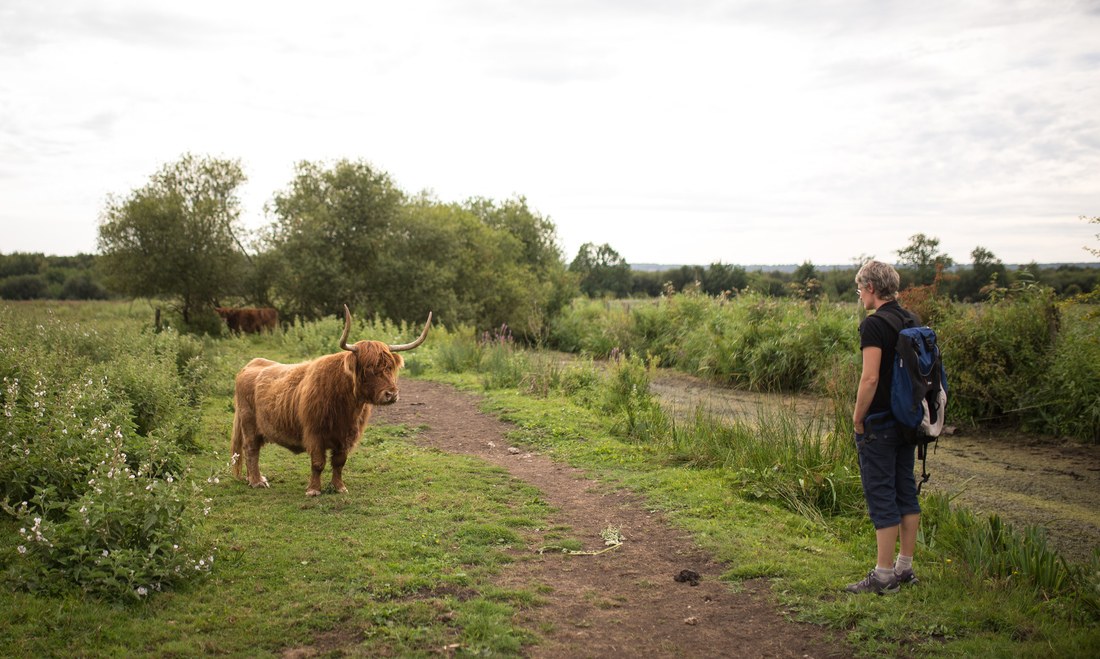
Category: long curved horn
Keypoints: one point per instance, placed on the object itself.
(347, 327)
(418, 341)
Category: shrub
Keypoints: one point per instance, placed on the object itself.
(125, 536)
(626, 395)
(1068, 395)
(94, 425)
(752, 340)
(502, 364)
(996, 353)
(24, 287)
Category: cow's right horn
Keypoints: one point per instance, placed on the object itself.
(418, 341)
(347, 327)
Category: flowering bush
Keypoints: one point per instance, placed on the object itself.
(93, 428)
(126, 535)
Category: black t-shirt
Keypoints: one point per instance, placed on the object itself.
(878, 333)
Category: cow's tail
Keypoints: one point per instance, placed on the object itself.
(236, 445)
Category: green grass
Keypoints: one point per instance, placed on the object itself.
(960, 609)
(404, 564)
(414, 543)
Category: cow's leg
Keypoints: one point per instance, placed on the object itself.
(317, 465)
(252, 463)
(339, 457)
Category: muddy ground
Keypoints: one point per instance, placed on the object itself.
(1024, 479)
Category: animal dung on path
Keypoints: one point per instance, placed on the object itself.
(687, 576)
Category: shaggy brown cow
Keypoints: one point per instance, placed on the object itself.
(249, 320)
(316, 406)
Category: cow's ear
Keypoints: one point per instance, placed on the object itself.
(399, 360)
(350, 363)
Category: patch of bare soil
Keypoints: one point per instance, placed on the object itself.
(623, 602)
(1025, 480)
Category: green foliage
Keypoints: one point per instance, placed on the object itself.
(923, 256)
(1070, 382)
(412, 570)
(593, 327)
(626, 396)
(751, 340)
(986, 589)
(330, 224)
(346, 234)
(778, 456)
(1017, 359)
(502, 364)
(458, 352)
(177, 236)
(991, 549)
(34, 276)
(602, 271)
(96, 423)
(995, 355)
(24, 287)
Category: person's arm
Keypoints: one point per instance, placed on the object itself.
(868, 382)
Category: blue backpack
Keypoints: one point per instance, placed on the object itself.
(918, 388)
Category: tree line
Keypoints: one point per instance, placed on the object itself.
(344, 233)
(603, 273)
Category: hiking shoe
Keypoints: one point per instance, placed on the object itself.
(906, 578)
(873, 585)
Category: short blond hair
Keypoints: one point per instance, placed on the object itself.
(882, 277)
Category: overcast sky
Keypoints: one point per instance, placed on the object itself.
(687, 131)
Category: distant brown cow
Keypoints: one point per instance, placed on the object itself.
(316, 406)
(249, 320)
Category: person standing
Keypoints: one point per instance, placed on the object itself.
(885, 463)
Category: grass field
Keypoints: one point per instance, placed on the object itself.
(406, 566)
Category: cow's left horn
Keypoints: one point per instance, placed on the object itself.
(418, 341)
(347, 327)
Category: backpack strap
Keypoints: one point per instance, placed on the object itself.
(897, 321)
(922, 455)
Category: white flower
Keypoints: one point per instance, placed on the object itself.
(106, 553)
(22, 549)
(142, 592)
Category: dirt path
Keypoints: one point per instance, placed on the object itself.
(624, 602)
(1024, 479)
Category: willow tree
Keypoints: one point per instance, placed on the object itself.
(176, 237)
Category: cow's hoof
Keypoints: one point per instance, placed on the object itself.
(260, 483)
(342, 489)
(313, 493)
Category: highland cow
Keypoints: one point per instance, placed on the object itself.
(314, 407)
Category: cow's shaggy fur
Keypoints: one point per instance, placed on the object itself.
(314, 407)
(249, 320)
